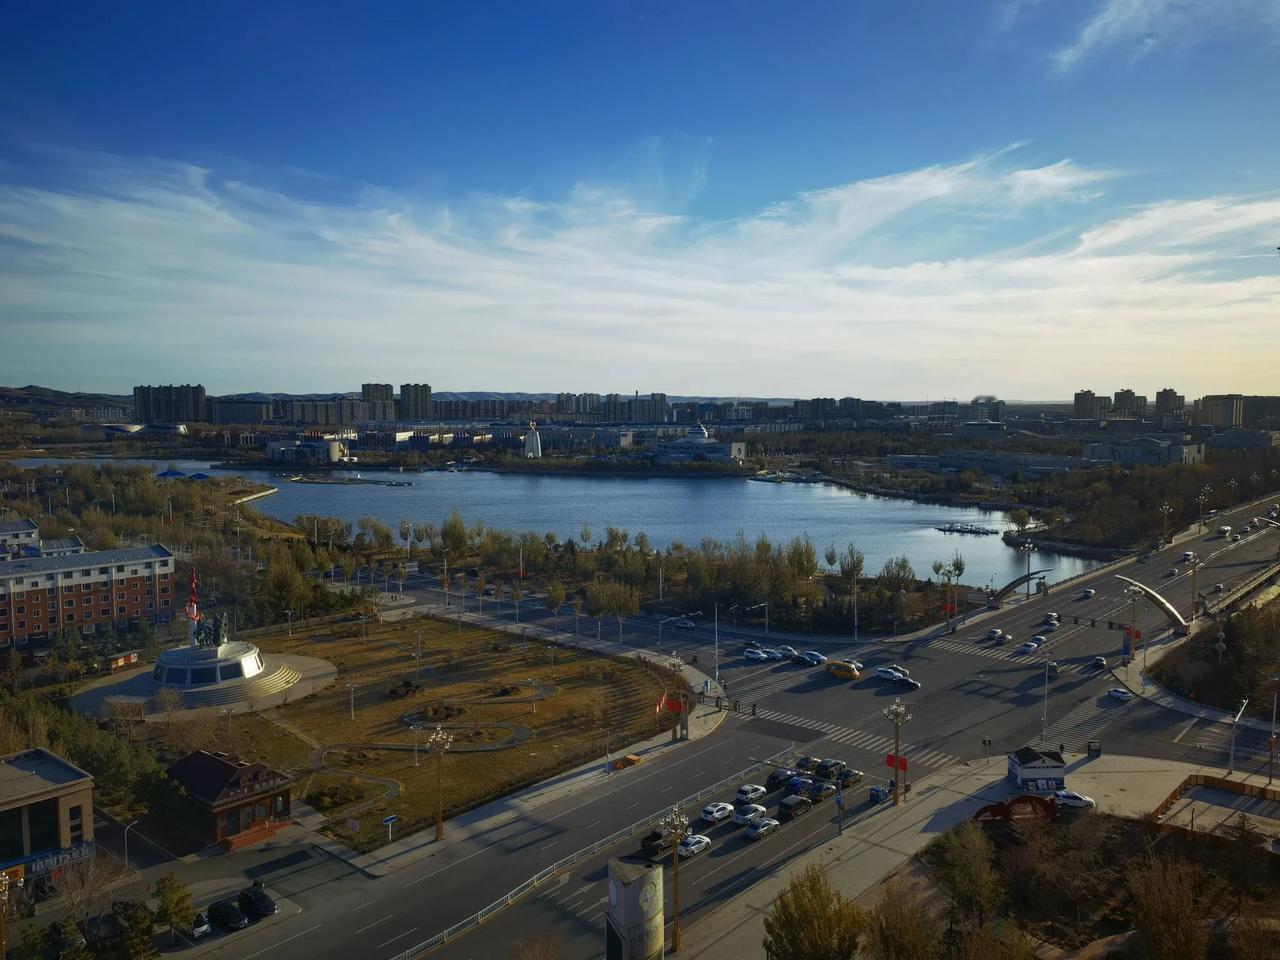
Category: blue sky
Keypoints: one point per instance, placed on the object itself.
(887, 200)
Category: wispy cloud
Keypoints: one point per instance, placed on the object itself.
(147, 270)
(1140, 27)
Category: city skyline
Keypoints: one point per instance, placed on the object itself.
(621, 194)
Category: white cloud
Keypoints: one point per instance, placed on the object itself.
(1143, 26)
(874, 288)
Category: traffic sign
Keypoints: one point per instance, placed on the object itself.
(391, 819)
(898, 762)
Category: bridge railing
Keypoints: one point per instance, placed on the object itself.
(1225, 600)
(545, 874)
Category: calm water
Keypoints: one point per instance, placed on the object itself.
(667, 509)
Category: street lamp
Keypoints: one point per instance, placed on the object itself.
(1231, 491)
(1271, 772)
(126, 841)
(416, 728)
(898, 715)
(351, 690)
(289, 614)
(1165, 510)
(677, 826)
(766, 614)
(1203, 499)
(1027, 549)
(440, 741)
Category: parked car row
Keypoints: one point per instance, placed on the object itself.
(811, 781)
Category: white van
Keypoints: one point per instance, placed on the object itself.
(1224, 531)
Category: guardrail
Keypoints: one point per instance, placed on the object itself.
(1257, 580)
(1102, 568)
(547, 873)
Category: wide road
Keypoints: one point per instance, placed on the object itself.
(972, 690)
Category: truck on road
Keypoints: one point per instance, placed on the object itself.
(657, 842)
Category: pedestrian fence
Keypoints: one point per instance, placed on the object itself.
(542, 876)
(1230, 597)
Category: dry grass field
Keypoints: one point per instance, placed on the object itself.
(561, 706)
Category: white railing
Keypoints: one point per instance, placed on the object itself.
(547, 873)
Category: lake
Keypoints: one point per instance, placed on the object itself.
(667, 509)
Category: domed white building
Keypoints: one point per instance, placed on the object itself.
(532, 443)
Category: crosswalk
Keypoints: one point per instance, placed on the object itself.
(1009, 654)
(1083, 723)
(859, 739)
(1215, 738)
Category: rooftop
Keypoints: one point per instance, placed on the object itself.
(17, 526)
(33, 772)
(9, 568)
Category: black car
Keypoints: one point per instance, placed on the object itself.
(807, 763)
(908, 683)
(828, 768)
(256, 904)
(801, 659)
(63, 935)
(104, 933)
(778, 779)
(793, 807)
(229, 916)
(821, 790)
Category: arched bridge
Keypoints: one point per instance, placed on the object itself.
(1163, 605)
(1014, 584)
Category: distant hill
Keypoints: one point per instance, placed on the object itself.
(41, 401)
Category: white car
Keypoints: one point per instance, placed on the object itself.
(761, 827)
(744, 815)
(1089, 593)
(750, 792)
(771, 654)
(995, 633)
(1217, 588)
(788, 651)
(1029, 647)
(694, 844)
(888, 673)
(1050, 618)
(1188, 556)
(1120, 693)
(1069, 798)
(815, 658)
(1038, 639)
(902, 671)
(714, 813)
(754, 653)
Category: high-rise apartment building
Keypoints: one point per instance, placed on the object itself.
(1089, 406)
(1171, 401)
(1129, 405)
(415, 401)
(1221, 411)
(372, 392)
(171, 404)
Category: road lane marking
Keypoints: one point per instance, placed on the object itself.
(389, 916)
(362, 906)
(590, 825)
(1185, 729)
(284, 941)
(547, 846)
(632, 806)
(394, 939)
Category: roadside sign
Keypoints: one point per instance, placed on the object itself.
(895, 762)
(902, 763)
(390, 820)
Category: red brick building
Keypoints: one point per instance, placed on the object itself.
(236, 797)
(40, 596)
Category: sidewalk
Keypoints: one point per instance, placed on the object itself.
(878, 840)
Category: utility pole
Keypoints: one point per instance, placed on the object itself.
(717, 641)
(351, 690)
(898, 715)
(1271, 771)
(1235, 725)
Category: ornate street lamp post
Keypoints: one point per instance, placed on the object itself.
(440, 741)
(677, 825)
(898, 715)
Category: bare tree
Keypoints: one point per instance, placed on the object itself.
(1164, 911)
(966, 870)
